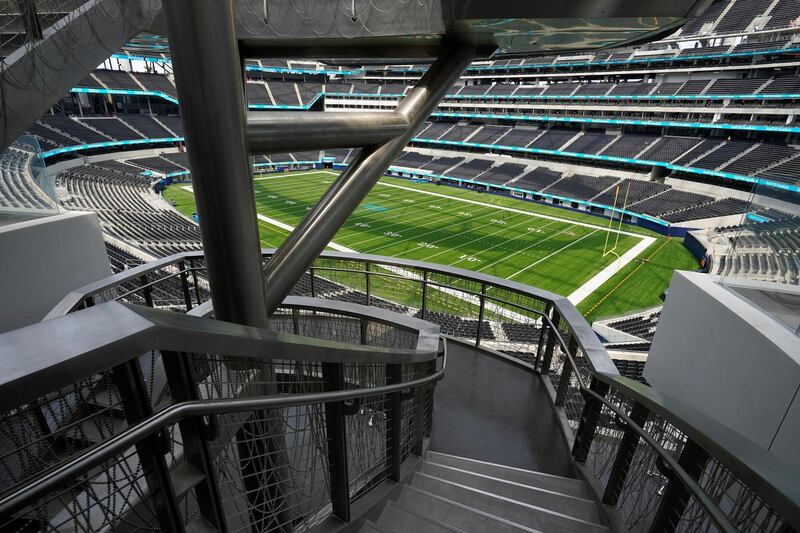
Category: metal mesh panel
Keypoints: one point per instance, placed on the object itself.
(645, 484)
(515, 322)
(271, 467)
(745, 509)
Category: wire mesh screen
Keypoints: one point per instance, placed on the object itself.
(46, 434)
(744, 508)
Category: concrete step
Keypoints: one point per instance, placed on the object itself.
(456, 514)
(200, 525)
(555, 501)
(531, 516)
(564, 485)
(396, 519)
(370, 527)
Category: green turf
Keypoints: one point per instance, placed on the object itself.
(467, 229)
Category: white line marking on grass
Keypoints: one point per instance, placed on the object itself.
(511, 209)
(604, 275)
(531, 245)
(518, 272)
(287, 227)
(289, 175)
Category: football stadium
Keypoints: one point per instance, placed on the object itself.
(394, 266)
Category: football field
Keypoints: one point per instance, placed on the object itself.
(554, 249)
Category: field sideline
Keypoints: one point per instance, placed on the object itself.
(551, 248)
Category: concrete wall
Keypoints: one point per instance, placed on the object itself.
(44, 259)
(724, 356)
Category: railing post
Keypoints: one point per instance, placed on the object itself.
(622, 461)
(363, 326)
(194, 281)
(136, 403)
(566, 373)
(367, 283)
(187, 299)
(588, 422)
(336, 428)
(547, 357)
(147, 291)
(424, 294)
(693, 460)
(420, 395)
(394, 374)
(481, 309)
(182, 387)
(311, 273)
(542, 334)
(295, 321)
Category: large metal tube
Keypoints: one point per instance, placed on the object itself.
(314, 233)
(208, 75)
(273, 132)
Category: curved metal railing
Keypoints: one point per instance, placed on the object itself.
(660, 464)
(229, 424)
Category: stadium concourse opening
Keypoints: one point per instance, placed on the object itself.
(386, 266)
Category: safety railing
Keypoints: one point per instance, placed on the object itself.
(661, 465)
(217, 423)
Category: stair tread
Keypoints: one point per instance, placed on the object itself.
(200, 525)
(185, 476)
(370, 527)
(564, 485)
(398, 519)
(532, 516)
(463, 517)
(578, 507)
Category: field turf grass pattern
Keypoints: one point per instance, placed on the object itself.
(534, 244)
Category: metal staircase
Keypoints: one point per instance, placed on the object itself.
(456, 494)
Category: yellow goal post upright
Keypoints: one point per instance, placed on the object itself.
(612, 250)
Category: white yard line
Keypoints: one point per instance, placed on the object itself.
(287, 227)
(545, 258)
(293, 175)
(511, 209)
(521, 250)
(604, 275)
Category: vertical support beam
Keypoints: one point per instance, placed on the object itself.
(424, 305)
(367, 283)
(622, 462)
(187, 298)
(394, 412)
(182, 387)
(136, 403)
(566, 373)
(208, 71)
(542, 335)
(588, 423)
(547, 357)
(336, 428)
(481, 309)
(693, 460)
(147, 292)
(314, 233)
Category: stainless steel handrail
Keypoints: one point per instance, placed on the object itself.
(753, 465)
(176, 412)
(47, 356)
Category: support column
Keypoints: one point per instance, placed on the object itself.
(209, 77)
(314, 233)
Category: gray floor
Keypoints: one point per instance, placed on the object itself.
(492, 410)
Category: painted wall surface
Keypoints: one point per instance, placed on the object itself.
(727, 358)
(44, 259)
